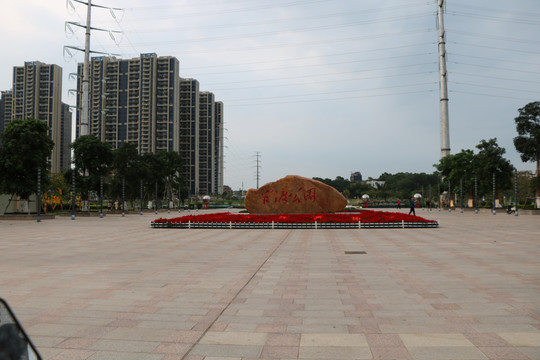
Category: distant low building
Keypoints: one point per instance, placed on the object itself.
(375, 183)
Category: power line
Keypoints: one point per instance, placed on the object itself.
(495, 67)
(281, 45)
(328, 74)
(303, 66)
(497, 10)
(495, 77)
(327, 81)
(276, 21)
(335, 92)
(336, 99)
(407, 46)
(491, 95)
(495, 48)
(266, 7)
(494, 37)
(494, 87)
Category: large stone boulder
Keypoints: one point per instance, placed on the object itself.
(294, 195)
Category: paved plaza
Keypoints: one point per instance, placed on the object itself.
(114, 288)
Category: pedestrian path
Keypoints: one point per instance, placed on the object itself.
(114, 288)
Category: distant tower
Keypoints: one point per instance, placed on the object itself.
(445, 133)
(356, 176)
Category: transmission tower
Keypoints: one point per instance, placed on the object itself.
(258, 155)
(85, 95)
(445, 132)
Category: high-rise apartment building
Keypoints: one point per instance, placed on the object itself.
(218, 147)
(189, 132)
(6, 99)
(37, 93)
(134, 101)
(145, 102)
(207, 129)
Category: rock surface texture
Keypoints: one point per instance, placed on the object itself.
(294, 195)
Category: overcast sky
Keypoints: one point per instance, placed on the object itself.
(315, 87)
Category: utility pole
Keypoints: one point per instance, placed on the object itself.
(85, 83)
(258, 154)
(86, 74)
(445, 133)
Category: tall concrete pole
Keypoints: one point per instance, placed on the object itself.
(86, 75)
(445, 133)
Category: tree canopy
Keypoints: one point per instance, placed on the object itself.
(465, 165)
(93, 159)
(527, 142)
(26, 146)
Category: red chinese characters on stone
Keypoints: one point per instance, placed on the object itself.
(294, 195)
(284, 196)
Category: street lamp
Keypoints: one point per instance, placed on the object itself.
(123, 195)
(494, 187)
(475, 194)
(38, 195)
(461, 194)
(73, 193)
(449, 197)
(101, 196)
(516, 190)
(142, 197)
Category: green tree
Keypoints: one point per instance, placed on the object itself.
(162, 170)
(25, 148)
(92, 158)
(459, 168)
(489, 161)
(171, 171)
(527, 142)
(127, 164)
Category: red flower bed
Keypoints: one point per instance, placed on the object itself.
(349, 217)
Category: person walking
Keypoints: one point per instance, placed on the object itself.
(411, 206)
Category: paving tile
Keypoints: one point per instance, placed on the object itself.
(333, 340)
(279, 352)
(503, 353)
(386, 353)
(124, 346)
(103, 288)
(523, 339)
(384, 340)
(434, 340)
(226, 351)
(234, 338)
(446, 353)
(332, 353)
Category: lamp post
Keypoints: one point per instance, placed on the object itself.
(179, 194)
(156, 198)
(123, 195)
(169, 191)
(494, 211)
(475, 194)
(439, 195)
(38, 195)
(73, 194)
(461, 194)
(101, 196)
(449, 198)
(516, 190)
(142, 197)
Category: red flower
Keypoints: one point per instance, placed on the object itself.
(350, 217)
